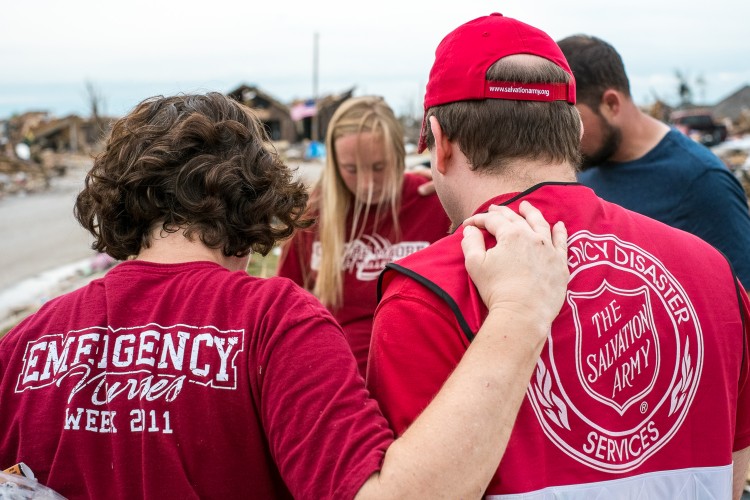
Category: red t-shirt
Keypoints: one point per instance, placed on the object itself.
(422, 221)
(187, 381)
(642, 389)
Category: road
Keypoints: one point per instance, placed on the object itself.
(38, 231)
(44, 252)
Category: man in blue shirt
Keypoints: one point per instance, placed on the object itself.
(640, 163)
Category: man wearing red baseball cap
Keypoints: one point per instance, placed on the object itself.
(642, 388)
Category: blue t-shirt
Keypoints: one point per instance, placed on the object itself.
(683, 184)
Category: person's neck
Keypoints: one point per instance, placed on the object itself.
(518, 177)
(175, 248)
(640, 134)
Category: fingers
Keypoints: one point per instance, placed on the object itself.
(560, 237)
(496, 216)
(427, 188)
(526, 270)
(534, 217)
(493, 218)
(473, 246)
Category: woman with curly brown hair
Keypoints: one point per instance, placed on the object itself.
(177, 375)
(369, 213)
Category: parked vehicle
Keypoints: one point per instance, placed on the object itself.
(699, 124)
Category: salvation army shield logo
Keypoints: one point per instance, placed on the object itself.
(615, 344)
(613, 393)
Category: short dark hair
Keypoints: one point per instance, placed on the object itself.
(494, 132)
(201, 163)
(596, 66)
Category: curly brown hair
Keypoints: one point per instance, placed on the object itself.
(199, 163)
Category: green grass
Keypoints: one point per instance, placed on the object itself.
(264, 267)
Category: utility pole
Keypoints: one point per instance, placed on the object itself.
(315, 87)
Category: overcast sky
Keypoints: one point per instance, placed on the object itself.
(134, 49)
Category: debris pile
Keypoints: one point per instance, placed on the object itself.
(735, 153)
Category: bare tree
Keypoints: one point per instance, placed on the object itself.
(96, 102)
(684, 89)
(701, 83)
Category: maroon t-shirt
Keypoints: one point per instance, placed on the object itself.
(422, 221)
(187, 381)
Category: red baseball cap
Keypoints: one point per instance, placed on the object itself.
(463, 57)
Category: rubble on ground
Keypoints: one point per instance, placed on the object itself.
(735, 153)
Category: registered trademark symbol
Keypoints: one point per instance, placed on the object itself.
(644, 407)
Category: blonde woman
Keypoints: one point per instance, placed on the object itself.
(369, 213)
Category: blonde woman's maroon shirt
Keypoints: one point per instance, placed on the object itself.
(422, 221)
(187, 381)
(642, 389)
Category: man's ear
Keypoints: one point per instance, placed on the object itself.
(611, 103)
(442, 148)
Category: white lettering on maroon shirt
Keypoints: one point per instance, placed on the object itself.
(368, 255)
(638, 357)
(106, 361)
(145, 367)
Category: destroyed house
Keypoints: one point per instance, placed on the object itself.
(323, 110)
(734, 106)
(273, 114)
(72, 133)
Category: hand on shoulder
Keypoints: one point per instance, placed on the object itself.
(526, 272)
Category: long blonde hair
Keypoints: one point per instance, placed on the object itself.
(354, 116)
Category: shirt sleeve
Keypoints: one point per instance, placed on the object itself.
(294, 262)
(742, 429)
(718, 214)
(415, 346)
(326, 435)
